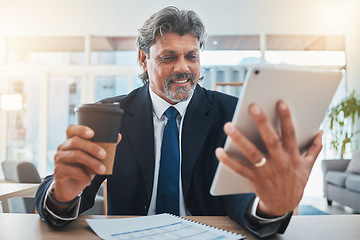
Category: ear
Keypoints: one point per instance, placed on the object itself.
(142, 59)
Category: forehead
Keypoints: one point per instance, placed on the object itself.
(175, 43)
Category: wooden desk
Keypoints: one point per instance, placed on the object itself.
(10, 190)
(30, 226)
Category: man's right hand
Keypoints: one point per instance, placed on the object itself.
(76, 162)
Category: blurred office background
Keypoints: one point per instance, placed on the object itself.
(55, 55)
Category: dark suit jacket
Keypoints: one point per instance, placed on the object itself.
(130, 186)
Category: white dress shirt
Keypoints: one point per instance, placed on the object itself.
(160, 120)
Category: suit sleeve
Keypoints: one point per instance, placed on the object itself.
(238, 209)
(86, 202)
(40, 197)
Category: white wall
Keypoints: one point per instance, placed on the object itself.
(123, 17)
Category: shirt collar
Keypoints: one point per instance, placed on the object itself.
(160, 105)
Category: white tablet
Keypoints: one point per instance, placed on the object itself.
(308, 94)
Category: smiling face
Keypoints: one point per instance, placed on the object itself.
(173, 66)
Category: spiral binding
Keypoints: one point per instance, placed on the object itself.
(203, 224)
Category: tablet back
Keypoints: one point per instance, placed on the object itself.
(308, 94)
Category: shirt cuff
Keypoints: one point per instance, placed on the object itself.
(72, 214)
(262, 219)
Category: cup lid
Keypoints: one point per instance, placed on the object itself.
(102, 107)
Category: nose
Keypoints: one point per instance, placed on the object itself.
(181, 65)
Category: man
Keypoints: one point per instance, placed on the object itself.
(169, 45)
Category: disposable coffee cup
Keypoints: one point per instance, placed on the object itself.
(105, 120)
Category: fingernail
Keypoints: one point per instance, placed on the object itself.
(255, 109)
(89, 132)
(102, 169)
(229, 128)
(283, 106)
(219, 152)
(102, 153)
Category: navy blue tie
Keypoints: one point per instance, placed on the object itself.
(167, 200)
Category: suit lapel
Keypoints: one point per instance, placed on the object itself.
(140, 132)
(195, 130)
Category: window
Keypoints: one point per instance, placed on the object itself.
(46, 51)
(109, 86)
(307, 58)
(64, 94)
(22, 139)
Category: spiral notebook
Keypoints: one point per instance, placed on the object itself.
(161, 226)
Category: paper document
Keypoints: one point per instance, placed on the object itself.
(162, 226)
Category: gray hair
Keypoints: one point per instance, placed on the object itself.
(169, 20)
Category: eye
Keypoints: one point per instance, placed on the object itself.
(167, 58)
(192, 57)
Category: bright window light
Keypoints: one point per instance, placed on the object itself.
(319, 58)
(11, 102)
(229, 57)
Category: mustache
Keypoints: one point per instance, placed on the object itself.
(178, 76)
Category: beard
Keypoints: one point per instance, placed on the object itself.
(180, 93)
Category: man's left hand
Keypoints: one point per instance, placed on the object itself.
(281, 181)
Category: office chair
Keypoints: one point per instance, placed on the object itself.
(21, 172)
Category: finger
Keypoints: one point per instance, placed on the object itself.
(79, 130)
(83, 145)
(287, 127)
(235, 165)
(78, 157)
(314, 149)
(247, 148)
(268, 133)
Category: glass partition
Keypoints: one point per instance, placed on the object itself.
(64, 96)
(22, 140)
